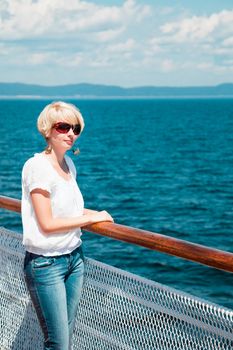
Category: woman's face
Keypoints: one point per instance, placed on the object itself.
(62, 140)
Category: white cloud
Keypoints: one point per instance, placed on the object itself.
(87, 34)
(228, 42)
(70, 60)
(28, 19)
(183, 44)
(213, 68)
(4, 49)
(205, 66)
(98, 40)
(52, 58)
(125, 46)
(108, 35)
(154, 46)
(222, 51)
(198, 28)
(229, 62)
(167, 65)
(100, 61)
(116, 55)
(38, 58)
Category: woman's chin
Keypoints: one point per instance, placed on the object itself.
(68, 145)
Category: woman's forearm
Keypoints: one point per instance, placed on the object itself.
(56, 225)
(49, 224)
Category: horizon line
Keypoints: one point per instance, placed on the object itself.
(119, 86)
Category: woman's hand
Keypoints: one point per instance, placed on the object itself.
(101, 216)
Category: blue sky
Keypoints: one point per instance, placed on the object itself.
(126, 43)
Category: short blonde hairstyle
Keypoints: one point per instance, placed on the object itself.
(55, 112)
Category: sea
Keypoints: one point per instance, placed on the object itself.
(163, 165)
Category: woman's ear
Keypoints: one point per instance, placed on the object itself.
(48, 148)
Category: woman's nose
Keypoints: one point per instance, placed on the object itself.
(70, 132)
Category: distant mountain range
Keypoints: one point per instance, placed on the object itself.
(19, 90)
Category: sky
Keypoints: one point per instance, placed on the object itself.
(125, 43)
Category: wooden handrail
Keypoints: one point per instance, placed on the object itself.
(10, 204)
(195, 252)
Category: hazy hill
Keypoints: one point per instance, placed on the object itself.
(94, 90)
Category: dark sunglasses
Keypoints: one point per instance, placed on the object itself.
(64, 128)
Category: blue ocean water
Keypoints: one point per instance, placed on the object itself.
(163, 165)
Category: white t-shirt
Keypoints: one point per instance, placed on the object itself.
(66, 201)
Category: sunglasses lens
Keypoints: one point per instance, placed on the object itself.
(62, 128)
(77, 129)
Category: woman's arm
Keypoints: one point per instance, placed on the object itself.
(89, 211)
(42, 206)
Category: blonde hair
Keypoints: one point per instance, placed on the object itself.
(55, 112)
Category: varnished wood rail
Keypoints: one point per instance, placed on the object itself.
(195, 252)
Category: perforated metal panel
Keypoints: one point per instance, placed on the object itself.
(118, 310)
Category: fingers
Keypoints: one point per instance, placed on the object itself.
(102, 216)
(107, 216)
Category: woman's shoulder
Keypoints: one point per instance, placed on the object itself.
(36, 173)
(34, 162)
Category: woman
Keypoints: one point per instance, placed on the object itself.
(52, 215)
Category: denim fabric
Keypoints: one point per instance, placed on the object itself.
(55, 285)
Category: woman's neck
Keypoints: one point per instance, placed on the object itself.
(57, 157)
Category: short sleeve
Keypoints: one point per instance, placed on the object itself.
(36, 174)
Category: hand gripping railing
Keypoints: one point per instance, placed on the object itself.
(195, 252)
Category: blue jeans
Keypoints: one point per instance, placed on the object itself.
(55, 285)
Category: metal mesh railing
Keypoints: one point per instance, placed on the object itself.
(118, 310)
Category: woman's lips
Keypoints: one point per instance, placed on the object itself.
(69, 142)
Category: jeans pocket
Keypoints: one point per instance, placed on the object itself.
(42, 262)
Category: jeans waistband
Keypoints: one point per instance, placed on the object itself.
(34, 256)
